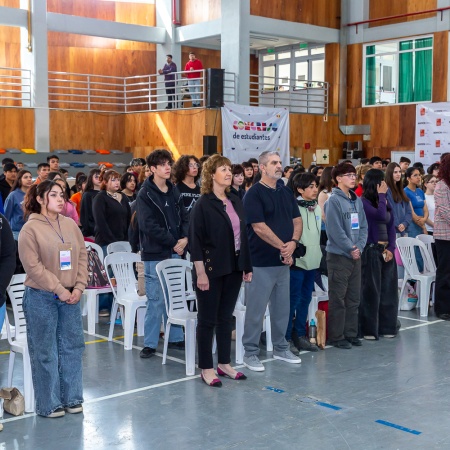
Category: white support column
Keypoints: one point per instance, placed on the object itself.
(358, 11)
(235, 45)
(170, 47)
(40, 76)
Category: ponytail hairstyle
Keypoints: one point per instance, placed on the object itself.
(42, 190)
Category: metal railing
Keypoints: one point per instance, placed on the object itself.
(101, 93)
(15, 87)
(307, 97)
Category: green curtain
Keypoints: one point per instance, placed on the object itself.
(371, 76)
(406, 74)
(423, 62)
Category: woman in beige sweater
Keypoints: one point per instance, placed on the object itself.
(53, 254)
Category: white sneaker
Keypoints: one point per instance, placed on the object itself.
(287, 356)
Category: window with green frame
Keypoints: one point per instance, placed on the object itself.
(398, 71)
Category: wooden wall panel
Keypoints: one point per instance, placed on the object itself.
(86, 130)
(10, 49)
(303, 11)
(10, 3)
(181, 132)
(332, 76)
(354, 75)
(196, 11)
(386, 8)
(16, 128)
(440, 66)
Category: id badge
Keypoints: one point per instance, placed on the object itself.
(65, 257)
(354, 221)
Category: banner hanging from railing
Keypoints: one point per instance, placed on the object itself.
(247, 131)
(432, 132)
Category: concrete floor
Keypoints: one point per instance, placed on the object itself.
(333, 400)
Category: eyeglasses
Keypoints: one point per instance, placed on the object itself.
(194, 165)
(350, 175)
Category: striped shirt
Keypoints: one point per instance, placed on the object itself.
(442, 213)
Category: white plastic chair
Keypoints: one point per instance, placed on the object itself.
(406, 247)
(89, 305)
(428, 240)
(319, 295)
(125, 295)
(239, 314)
(19, 344)
(119, 246)
(176, 281)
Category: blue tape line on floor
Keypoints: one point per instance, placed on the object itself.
(327, 405)
(278, 391)
(398, 427)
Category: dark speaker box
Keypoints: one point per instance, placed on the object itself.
(209, 145)
(214, 79)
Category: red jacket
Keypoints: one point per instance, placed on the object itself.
(359, 190)
(196, 66)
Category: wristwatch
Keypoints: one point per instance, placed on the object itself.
(297, 242)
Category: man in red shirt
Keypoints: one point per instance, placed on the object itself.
(194, 67)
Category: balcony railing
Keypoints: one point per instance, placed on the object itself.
(15, 87)
(308, 97)
(139, 93)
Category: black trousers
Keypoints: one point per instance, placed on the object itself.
(171, 96)
(442, 289)
(378, 309)
(215, 310)
(344, 281)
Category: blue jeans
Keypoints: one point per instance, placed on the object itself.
(2, 315)
(156, 309)
(194, 89)
(301, 289)
(56, 344)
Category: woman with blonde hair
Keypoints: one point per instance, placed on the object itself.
(219, 249)
(360, 174)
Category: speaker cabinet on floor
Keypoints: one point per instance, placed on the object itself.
(209, 145)
(214, 79)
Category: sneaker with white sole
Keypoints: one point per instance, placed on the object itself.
(252, 362)
(287, 356)
(76, 409)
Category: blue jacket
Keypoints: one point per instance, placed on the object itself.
(402, 212)
(13, 209)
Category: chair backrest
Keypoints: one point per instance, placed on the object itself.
(119, 246)
(172, 274)
(97, 248)
(406, 247)
(15, 291)
(428, 240)
(122, 266)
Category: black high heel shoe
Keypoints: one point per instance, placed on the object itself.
(239, 375)
(214, 383)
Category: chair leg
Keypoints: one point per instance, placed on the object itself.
(140, 320)
(92, 314)
(28, 384)
(425, 289)
(83, 304)
(12, 358)
(190, 346)
(214, 347)
(313, 307)
(402, 290)
(166, 341)
(128, 325)
(269, 345)
(240, 319)
(112, 321)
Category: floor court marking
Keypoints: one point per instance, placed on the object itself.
(398, 427)
(422, 325)
(130, 392)
(415, 320)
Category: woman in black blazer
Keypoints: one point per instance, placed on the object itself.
(219, 249)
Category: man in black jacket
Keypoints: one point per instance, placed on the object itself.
(7, 262)
(163, 229)
(10, 174)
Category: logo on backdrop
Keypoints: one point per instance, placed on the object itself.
(247, 131)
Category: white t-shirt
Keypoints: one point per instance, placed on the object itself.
(429, 199)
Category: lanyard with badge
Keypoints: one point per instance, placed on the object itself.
(64, 248)
(354, 218)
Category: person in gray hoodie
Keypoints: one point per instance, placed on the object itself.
(347, 236)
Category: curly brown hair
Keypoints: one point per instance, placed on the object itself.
(209, 169)
(181, 168)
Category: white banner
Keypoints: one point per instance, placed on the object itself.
(432, 132)
(247, 131)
